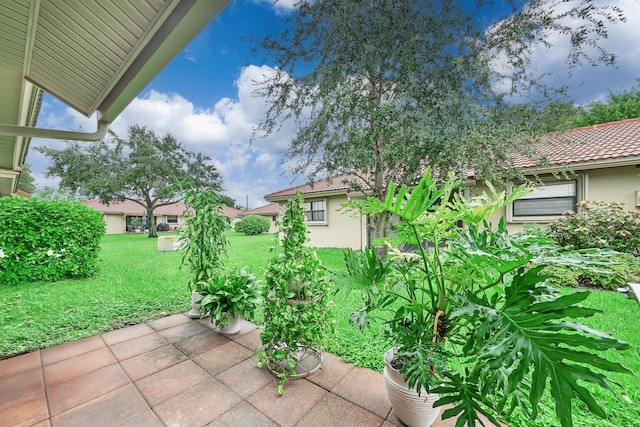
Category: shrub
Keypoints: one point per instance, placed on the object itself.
(47, 239)
(252, 225)
(599, 225)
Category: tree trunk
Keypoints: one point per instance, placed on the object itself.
(153, 233)
(381, 228)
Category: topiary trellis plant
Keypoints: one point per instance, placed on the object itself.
(297, 304)
(203, 237)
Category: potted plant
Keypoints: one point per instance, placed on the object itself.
(296, 305)
(229, 298)
(469, 317)
(203, 241)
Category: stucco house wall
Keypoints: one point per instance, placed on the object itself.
(340, 230)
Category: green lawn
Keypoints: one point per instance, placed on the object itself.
(135, 283)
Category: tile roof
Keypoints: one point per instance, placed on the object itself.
(335, 183)
(590, 144)
(230, 212)
(270, 209)
(129, 207)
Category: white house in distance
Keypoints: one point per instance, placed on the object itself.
(600, 162)
(118, 216)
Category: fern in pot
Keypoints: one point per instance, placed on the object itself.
(470, 319)
(229, 298)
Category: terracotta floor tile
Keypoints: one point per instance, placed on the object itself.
(245, 378)
(197, 406)
(200, 343)
(145, 419)
(84, 388)
(70, 349)
(20, 385)
(72, 367)
(374, 400)
(222, 357)
(26, 411)
(126, 334)
(243, 415)
(185, 330)
(167, 383)
(108, 410)
(18, 364)
(127, 349)
(332, 371)
(250, 340)
(169, 322)
(154, 361)
(287, 409)
(44, 423)
(335, 411)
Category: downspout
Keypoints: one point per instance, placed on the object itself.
(31, 132)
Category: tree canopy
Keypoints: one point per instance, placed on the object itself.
(143, 168)
(380, 88)
(618, 106)
(27, 181)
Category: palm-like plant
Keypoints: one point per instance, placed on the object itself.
(471, 317)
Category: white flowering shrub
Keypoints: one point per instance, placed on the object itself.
(47, 239)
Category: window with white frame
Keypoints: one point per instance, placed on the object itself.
(550, 199)
(315, 211)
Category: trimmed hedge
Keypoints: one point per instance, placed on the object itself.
(47, 239)
(252, 225)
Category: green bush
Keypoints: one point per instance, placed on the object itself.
(604, 226)
(598, 225)
(625, 269)
(252, 225)
(47, 239)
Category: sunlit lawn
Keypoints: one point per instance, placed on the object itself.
(135, 283)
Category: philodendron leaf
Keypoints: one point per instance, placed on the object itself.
(530, 333)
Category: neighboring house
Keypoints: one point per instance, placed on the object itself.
(119, 217)
(270, 211)
(328, 226)
(232, 213)
(599, 162)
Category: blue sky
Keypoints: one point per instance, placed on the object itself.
(204, 97)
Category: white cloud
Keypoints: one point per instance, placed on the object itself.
(282, 7)
(222, 131)
(588, 83)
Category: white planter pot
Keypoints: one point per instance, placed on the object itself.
(411, 409)
(195, 307)
(232, 327)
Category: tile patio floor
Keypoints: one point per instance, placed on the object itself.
(176, 371)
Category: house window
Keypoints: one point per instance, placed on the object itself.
(315, 211)
(550, 199)
(172, 219)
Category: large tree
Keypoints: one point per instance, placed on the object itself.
(144, 168)
(378, 88)
(618, 106)
(27, 181)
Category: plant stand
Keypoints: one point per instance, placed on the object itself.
(195, 307)
(309, 360)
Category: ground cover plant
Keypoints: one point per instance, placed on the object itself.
(135, 283)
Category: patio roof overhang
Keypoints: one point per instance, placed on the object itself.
(95, 56)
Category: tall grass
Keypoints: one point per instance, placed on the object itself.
(135, 283)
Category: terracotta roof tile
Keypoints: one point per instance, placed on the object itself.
(614, 140)
(335, 183)
(128, 207)
(270, 209)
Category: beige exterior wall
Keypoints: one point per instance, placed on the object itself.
(617, 184)
(340, 230)
(115, 223)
